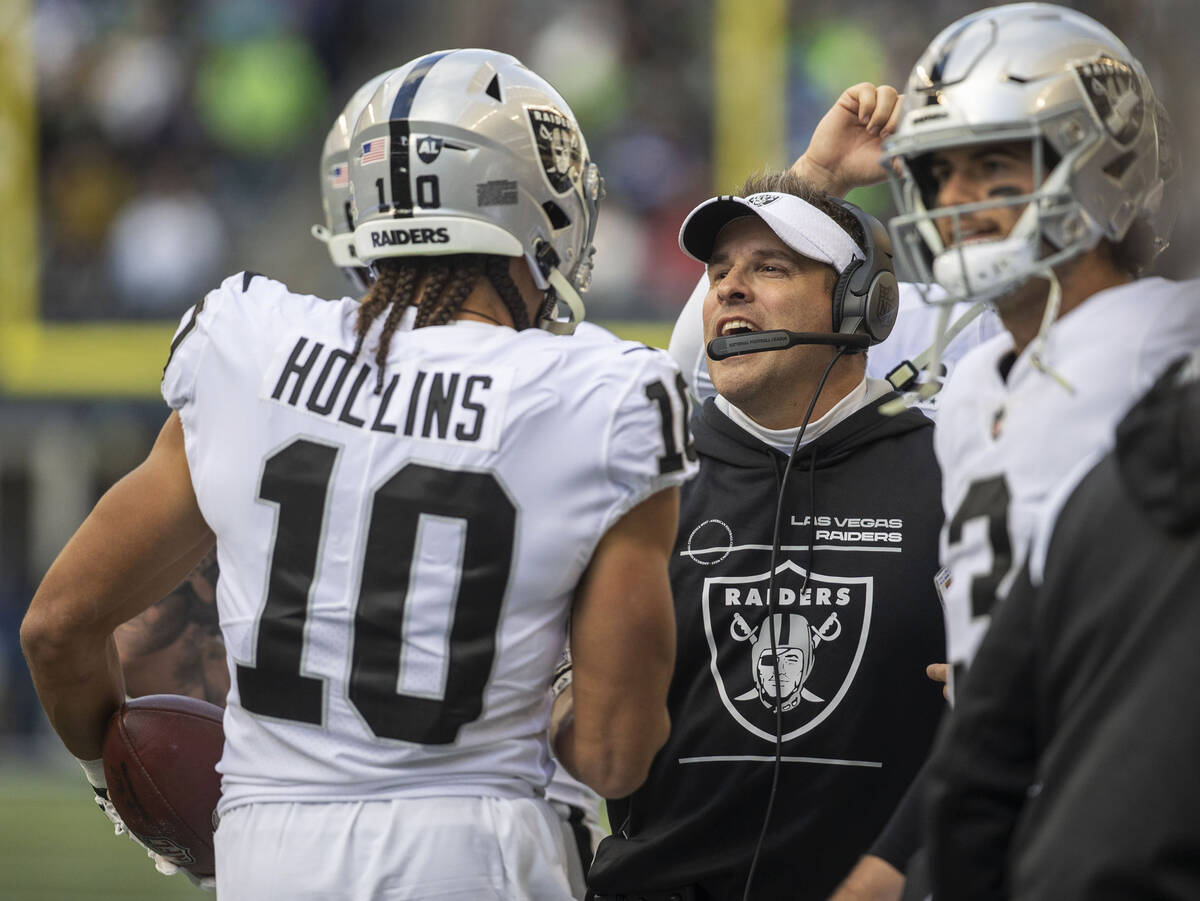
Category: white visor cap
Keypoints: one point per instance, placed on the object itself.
(797, 223)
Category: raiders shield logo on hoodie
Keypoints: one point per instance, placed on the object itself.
(819, 625)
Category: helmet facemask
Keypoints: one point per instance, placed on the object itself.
(1049, 229)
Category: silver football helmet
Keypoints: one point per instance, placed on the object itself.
(1054, 77)
(337, 234)
(468, 151)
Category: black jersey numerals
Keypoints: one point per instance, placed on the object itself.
(675, 431)
(297, 479)
(987, 499)
(417, 490)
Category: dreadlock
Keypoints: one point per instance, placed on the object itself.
(462, 271)
(394, 286)
(436, 277)
(497, 273)
(448, 282)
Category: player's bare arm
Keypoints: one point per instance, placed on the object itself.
(142, 538)
(623, 644)
(844, 150)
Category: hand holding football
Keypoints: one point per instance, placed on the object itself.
(160, 756)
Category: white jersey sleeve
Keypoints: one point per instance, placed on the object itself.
(657, 380)
(1006, 442)
(399, 549)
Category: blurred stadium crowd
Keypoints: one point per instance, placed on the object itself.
(178, 143)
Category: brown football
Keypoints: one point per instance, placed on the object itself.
(160, 757)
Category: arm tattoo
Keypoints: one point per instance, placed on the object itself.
(175, 646)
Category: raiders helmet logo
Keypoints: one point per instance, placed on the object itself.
(1115, 93)
(559, 147)
(802, 658)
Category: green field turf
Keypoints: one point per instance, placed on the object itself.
(55, 845)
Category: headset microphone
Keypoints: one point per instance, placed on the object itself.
(779, 339)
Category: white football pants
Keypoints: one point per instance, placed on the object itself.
(450, 849)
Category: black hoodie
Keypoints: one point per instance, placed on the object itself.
(1072, 765)
(853, 643)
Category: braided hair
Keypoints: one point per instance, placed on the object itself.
(449, 280)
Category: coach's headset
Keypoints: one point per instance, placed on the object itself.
(865, 296)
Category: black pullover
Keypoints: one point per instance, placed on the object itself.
(853, 642)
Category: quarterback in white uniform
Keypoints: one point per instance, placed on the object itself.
(1031, 167)
(409, 496)
(1049, 210)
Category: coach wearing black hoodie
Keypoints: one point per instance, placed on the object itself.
(803, 573)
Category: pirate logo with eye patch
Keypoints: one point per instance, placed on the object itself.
(1115, 93)
(559, 145)
(797, 656)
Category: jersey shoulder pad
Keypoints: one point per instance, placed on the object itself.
(245, 308)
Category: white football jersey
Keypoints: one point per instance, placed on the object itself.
(1004, 444)
(398, 557)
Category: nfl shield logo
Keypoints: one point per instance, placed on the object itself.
(802, 658)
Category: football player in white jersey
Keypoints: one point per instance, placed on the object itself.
(1035, 167)
(409, 496)
(176, 645)
(1036, 163)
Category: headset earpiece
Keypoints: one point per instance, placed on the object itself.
(866, 296)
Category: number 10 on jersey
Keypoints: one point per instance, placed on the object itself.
(297, 479)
